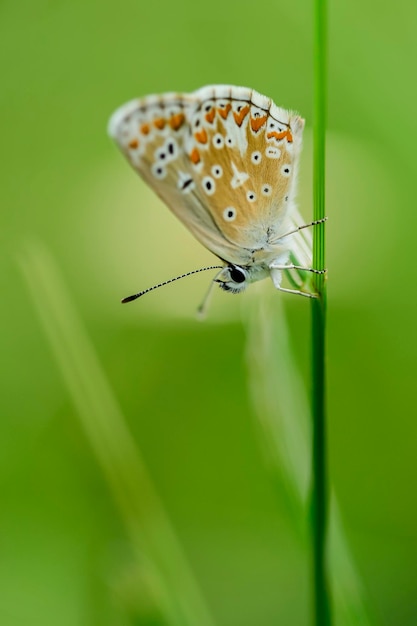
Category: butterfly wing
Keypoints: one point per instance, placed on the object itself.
(222, 158)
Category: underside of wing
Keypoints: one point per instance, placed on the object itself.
(248, 151)
(154, 134)
(222, 158)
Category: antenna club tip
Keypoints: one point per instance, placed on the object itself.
(129, 299)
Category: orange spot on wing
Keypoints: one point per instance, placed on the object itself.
(133, 144)
(275, 135)
(240, 116)
(257, 122)
(145, 129)
(224, 112)
(159, 123)
(176, 121)
(201, 136)
(195, 156)
(210, 115)
(285, 134)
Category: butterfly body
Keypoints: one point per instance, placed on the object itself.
(224, 159)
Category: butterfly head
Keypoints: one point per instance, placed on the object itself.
(233, 279)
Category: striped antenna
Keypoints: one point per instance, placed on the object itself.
(171, 280)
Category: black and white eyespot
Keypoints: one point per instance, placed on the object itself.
(286, 170)
(229, 214)
(217, 171)
(273, 153)
(172, 149)
(158, 171)
(286, 198)
(256, 157)
(160, 154)
(209, 185)
(218, 141)
(229, 141)
(251, 196)
(266, 190)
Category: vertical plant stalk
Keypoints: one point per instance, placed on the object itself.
(319, 498)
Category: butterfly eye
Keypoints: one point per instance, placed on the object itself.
(237, 275)
(286, 170)
(229, 214)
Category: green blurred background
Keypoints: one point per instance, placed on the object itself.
(67, 552)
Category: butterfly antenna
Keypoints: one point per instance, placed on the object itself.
(171, 280)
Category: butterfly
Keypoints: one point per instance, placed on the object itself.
(224, 159)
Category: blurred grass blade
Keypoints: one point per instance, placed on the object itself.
(152, 537)
(287, 439)
(281, 405)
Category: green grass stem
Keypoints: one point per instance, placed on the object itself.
(319, 499)
(281, 405)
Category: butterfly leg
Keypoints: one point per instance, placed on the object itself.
(297, 292)
(276, 275)
(291, 266)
